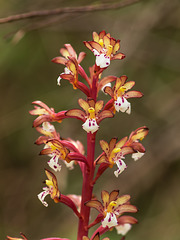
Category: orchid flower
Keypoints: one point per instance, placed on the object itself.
(57, 149)
(71, 72)
(72, 68)
(134, 141)
(92, 114)
(120, 95)
(67, 53)
(113, 153)
(104, 48)
(51, 189)
(111, 208)
(45, 113)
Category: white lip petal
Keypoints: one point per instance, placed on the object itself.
(53, 163)
(66, 71)
(46, 126)
(110, 220)
(59, 81)
(123, 229)
(121, 104)
(121, 167)
(69, 165)
(102, 60)
(137, 156)
(106, 85)
(42, 196)
(90, 125)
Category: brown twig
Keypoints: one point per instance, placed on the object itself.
(57, 11)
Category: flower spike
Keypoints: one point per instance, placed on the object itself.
(112, 208)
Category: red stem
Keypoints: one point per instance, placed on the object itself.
(88, 173)
(87, 187)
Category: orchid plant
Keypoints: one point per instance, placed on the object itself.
(113, 208)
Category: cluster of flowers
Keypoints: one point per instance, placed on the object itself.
(112, 208)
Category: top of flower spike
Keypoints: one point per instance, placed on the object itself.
(67, 52)
(104, 48)
(72, 69)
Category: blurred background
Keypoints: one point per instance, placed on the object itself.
(150, 38)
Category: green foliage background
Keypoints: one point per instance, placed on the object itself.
(150, 38)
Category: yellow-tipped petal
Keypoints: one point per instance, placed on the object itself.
(140, 134)
(95, 204)
(106, 41)
(105, 198)
(116, 47)
(112, 144)
(83, 104)
(123, 199)
(98, 106)
(121, 142)
(95, 37)
(129, 85)
(76, 113)
(64, 52)
(113, 195)
(104, 146)
(102, 159)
